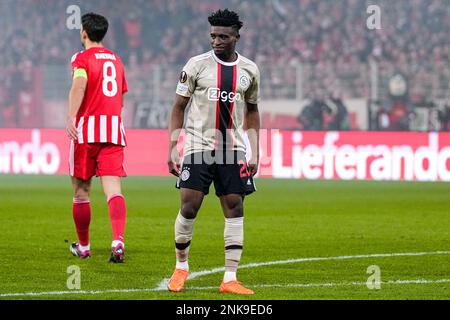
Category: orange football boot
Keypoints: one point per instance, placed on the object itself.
(176, 282)
(234, 287)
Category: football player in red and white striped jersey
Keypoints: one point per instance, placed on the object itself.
(94, 124)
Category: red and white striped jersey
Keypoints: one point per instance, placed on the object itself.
(101, 129)
(99, 118)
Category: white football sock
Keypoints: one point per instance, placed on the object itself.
(182, 265)
(234, 239)
(229, 276)
(117, 242)
(84, 248)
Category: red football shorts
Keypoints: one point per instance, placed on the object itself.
(96, 159)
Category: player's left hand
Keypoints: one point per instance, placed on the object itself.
(253, 166)
(71, 130)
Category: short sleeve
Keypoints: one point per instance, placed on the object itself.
(78, 62)
(252, 93)
(187, 80)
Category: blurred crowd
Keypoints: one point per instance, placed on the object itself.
(329, 38)
(325, 113)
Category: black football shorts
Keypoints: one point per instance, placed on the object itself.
(228, 170)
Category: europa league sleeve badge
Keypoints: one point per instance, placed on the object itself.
(183, 77)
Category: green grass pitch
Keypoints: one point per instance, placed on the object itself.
(285, 219)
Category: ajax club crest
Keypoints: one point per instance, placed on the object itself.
(244, 82)
(185, 175)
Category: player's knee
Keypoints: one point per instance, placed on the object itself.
(82, 192)
(80, 197)
(189, 210)
(234, 209)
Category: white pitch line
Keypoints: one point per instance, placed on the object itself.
(67, 292)
(163, 285)
(334, 284)
(297, 285)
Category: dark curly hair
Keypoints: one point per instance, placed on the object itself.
(225, 18)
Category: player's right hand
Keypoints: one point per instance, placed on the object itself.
(71, 130)
(174, 163)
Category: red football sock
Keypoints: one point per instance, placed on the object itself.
(117, 214)
(82, 218)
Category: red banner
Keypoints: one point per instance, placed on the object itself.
(284, 154)
(356, 155)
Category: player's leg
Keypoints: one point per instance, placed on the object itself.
(82, 168)
(232, 206)
(191, 201)
(232, 183)
(194, 182)
(81, 210)
(110, 169)
(116, 208)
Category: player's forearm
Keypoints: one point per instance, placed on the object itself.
(76, 96)
(253, 126)
(175, 124)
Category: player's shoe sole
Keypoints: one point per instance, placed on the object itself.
(234, 287)
(75, 250)
(176, 282)
(117, 254)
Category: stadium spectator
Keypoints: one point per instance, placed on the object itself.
(444, 116)
(300, 30)
(329, 39)
(399, 117)
(338, 110)
(312, 115)
(382, 120)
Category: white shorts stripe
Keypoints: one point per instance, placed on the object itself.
(80, 130)
(103, 131)
(114, 129)
(91, 128)
(72, 159)
(122, 133)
